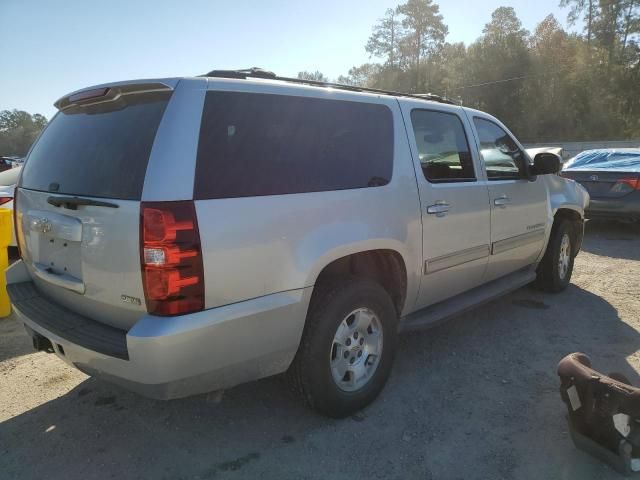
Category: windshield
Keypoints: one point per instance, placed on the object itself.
(97, 151)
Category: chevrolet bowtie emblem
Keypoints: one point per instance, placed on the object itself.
(42, 225)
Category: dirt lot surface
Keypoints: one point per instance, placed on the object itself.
(474, 398)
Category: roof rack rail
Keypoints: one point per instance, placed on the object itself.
(256, 72)
(253, 72)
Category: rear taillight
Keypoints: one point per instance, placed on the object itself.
(632, 182)
(171, 257)
(4, 200)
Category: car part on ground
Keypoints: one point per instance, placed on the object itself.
(604, 412)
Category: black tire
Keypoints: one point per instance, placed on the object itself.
(310, 373)
(549, 277)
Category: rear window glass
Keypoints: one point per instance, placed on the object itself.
(97, 151)
(257, 144)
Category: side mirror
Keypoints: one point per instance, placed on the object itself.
(546, 163)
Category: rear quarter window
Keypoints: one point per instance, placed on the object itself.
(262, 144)
(98, 151)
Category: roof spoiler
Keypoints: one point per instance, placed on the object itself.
(103, 94)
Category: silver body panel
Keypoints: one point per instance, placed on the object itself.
(172, 162)
(520, 219)
(282, 242)
(262, 255)
(93, 254)
(454, 242)
(173, 357)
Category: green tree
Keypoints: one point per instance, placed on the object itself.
(499, 63)
(18, 130)
(547, 86)
(423, 36)
(314, 76)
(578, 8)
(550, 91)
(504, 26)
(383, 42)
(360, 76)
(455, 70)
(631, 22)
(608, 26)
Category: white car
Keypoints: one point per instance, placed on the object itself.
(8, 180)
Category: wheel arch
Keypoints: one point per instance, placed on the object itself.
(385, 265)
(576, 218)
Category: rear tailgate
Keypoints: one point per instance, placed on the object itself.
(78, 202)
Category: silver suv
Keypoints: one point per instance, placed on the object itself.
(180, 236)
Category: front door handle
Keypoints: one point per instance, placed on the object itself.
(502, 201)
(439, 209)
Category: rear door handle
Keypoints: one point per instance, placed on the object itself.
(502, 201)
(439, 209)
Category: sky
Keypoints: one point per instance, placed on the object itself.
(49, 48)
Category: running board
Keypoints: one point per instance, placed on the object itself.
(435, 314)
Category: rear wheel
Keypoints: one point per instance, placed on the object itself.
(347, 347)
(556, 267)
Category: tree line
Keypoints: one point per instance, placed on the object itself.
(546, 85)
(18, 130)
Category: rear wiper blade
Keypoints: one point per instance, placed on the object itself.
(72, 203)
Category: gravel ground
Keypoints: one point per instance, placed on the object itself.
(474, 398)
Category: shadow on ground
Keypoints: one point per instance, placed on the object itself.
(474, 398)
(612, 239)
(13, 340)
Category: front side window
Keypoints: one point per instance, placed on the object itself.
(262, 144)
(442, 146)
(503, 159)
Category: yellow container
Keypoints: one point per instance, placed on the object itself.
(6, 230)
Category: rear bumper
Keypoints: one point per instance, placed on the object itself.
(172, 357)
(625, 208)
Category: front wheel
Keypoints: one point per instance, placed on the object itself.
(347, 348)
(556, 267)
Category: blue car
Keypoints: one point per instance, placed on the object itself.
(612, 178)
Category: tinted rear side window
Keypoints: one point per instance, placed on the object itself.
(98, 151)
(257, 144)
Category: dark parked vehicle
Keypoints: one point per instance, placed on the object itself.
(612, 178)
(6, 163)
